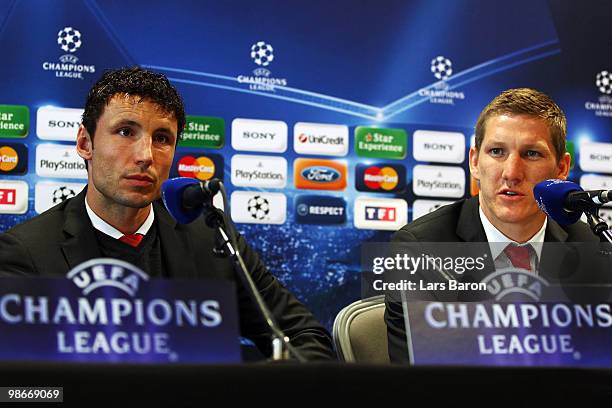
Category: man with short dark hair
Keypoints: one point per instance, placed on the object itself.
(520, 141)
(131, 124)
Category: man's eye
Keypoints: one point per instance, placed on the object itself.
(496, 151)
(533, 153)
(125, 131)
(162, 139)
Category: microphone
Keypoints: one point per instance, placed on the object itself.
(185, 197)
(565, 201)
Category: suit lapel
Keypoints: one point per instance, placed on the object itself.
(80, 244)
(469, 229)
(555, 263)
(176, 247)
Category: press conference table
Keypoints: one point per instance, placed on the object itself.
(309, 384)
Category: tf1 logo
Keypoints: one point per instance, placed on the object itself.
(380, 213)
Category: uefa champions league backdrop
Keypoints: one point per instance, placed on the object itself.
(331, 123)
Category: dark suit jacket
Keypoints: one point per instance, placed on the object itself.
(56, 241)
(460, 222)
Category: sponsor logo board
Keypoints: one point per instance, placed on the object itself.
(253, 207)
(595, 182)
(440, 147)
(59, 161)
(259, 135)
(58, 123)
(50, 193)
(196, 165)
(596, 157)
(13, 158)
(380, 214)
(380, 177)
(205, 132)
(438, 181)
(325, 210)
(14, 121)
(424, 207)
(322, 139)
(318, 174)
(13, 197)
(381, 142)
(259, 171)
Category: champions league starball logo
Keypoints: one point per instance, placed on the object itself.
(69, 39)
(439, 93)
(262, 53)
(441, 67)
(603, 81)
(603, 106)
(258, 207)
(61, 194)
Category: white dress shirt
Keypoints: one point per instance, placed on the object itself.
(104, 227)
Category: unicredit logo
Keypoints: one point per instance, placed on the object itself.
(601, 157)
(320, 139)
(320, 174)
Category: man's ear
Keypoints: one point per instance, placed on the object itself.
(563, 168)
(84, 144)
(474, 163)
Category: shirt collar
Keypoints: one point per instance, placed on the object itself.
(104, 227)
(498, 241)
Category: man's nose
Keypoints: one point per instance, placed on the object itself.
(514, 171)
(143, 155)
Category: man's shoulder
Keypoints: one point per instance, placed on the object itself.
(40, 226)
(438, 225)
(580, 232)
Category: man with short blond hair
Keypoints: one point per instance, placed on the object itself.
(520, 141)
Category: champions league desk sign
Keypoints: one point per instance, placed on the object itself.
(462, 308)
(109, 311)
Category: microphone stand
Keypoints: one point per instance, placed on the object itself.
(598, 225)
(215, 219)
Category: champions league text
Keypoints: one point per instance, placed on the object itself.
(99, 312)
(556, 316)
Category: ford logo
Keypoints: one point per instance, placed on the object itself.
(320, 174)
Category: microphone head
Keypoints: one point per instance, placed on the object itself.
(172, 191)
(550, 196)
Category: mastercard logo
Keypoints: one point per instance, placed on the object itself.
(381, 178)
(8, 158)
(202, 168)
